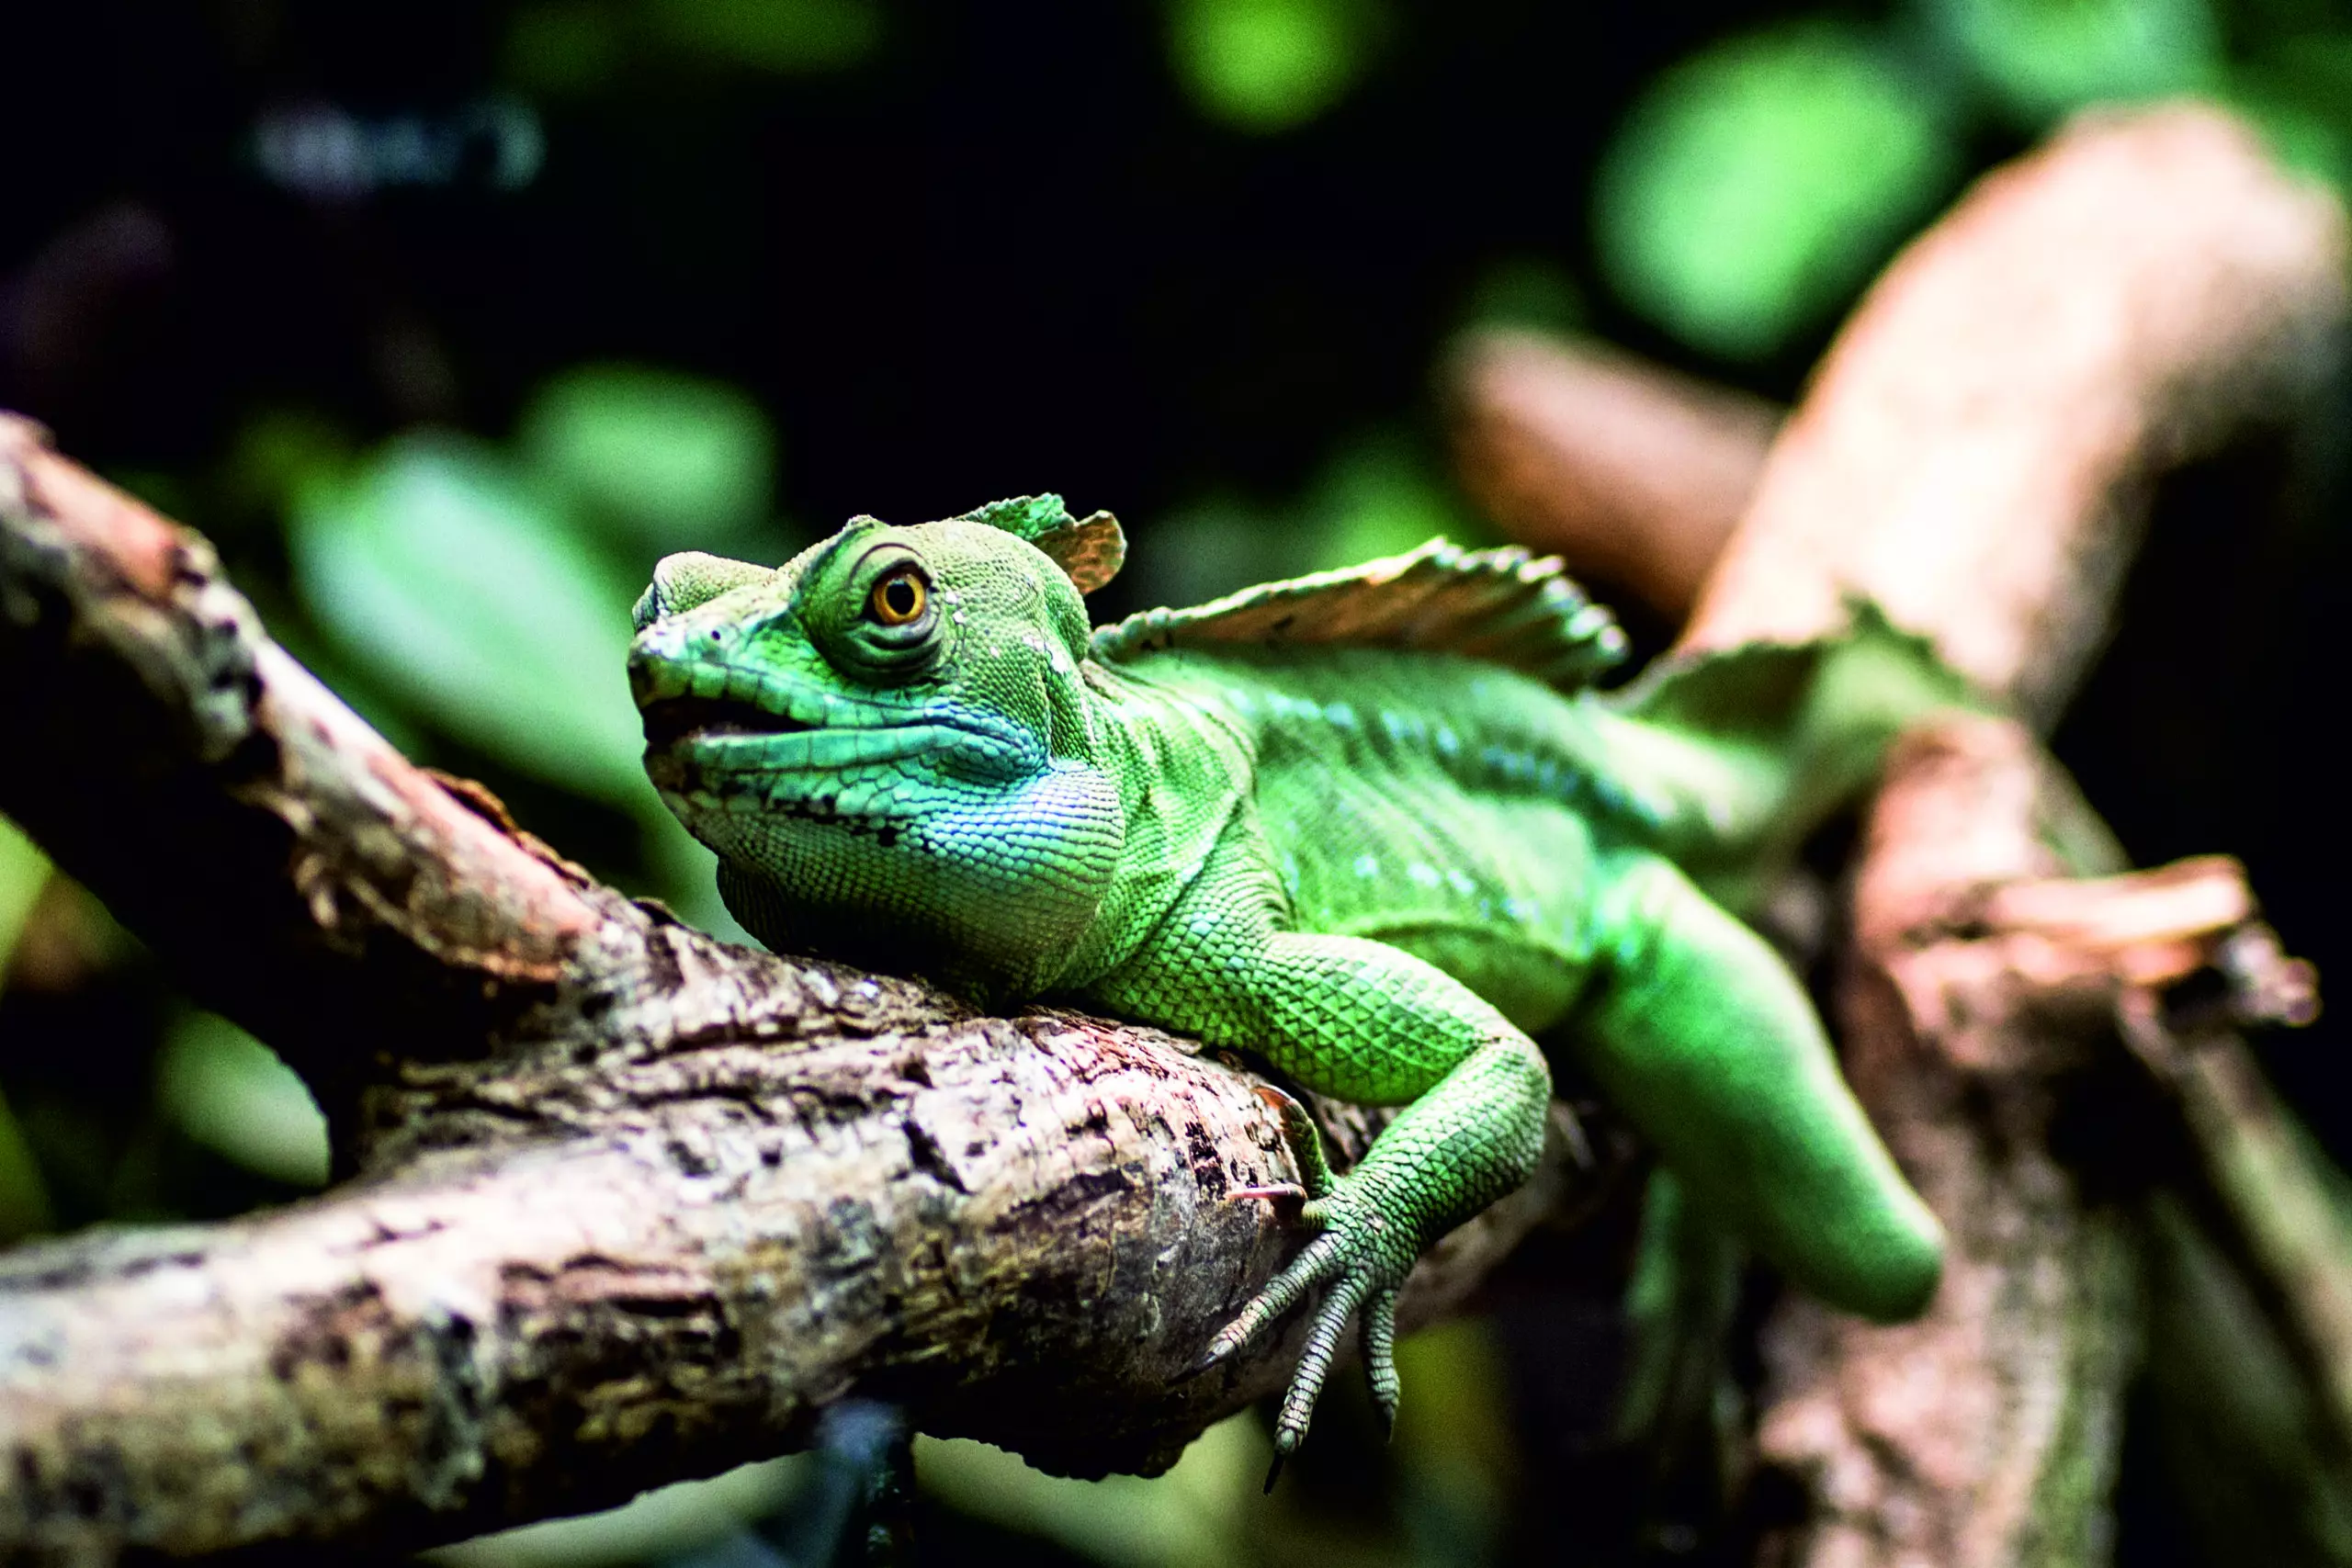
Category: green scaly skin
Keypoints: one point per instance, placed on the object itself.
(1381, 872)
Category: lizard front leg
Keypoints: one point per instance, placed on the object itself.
(1363, 1021)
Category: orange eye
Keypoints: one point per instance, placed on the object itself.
(897, 598)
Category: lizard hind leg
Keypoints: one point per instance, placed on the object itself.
(1698, 1032)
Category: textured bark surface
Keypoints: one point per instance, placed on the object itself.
(1980, 1013)
(631, 1204)
(1977, 454)
(1986, 1433)
(1976, 451)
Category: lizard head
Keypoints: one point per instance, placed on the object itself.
(888, 741)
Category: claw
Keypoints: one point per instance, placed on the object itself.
(1282, 1192)
(1210, 1357)
(1306, 1141)
(1315, 1362)
(1356, 1258)
(1274, 1470)
(1580, 1145)
(1378, 1340)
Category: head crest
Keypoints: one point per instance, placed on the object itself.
(1089, 550)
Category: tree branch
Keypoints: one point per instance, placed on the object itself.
(1978, 449)
(1977, 456)
(631, 1204)
(1634, 474)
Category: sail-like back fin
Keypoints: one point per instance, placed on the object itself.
(1504, 606)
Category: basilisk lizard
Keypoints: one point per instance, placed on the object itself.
(1373, 826)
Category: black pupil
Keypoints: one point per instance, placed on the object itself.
(899, 597)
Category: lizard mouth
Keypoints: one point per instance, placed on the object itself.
(672, 720)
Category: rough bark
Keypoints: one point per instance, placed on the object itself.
(1980, 1010)
(1983, 1433)
(1976, 454)
(1976, 451)
(631, 1204)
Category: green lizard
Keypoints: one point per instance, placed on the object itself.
(1369, 826)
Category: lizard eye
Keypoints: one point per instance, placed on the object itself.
(899, 599)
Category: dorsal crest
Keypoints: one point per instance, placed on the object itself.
(1507, 605)
(1090, 549)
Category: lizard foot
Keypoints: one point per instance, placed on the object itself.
(1363, 1259)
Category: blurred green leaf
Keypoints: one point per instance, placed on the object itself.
(1267, 65)
(469, 592)
(229, 1092)
(1190, 1517)
(24, 1197)
(567, 47)
(1755, 185)
(276, 452)
(24, 872)
(2298, 92)
(25, 1208)
(1526, 291)
(667, 461)
(785, 36)
(1379, 498)
(1452, 1449)
(660, 1525)
(2300, 138)
(2230, 1411)
(2042, 58)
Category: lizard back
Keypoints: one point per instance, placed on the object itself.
(1439, 803)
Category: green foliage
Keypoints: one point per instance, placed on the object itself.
(1532, 291)
(2042, 58)
(785, 36)
(577, 47)
(2298, 90)
(1445, 1476)
(1379, 494)
(1381, 497)
(486, 592)
(1190, 1517)
(24, 872)
(659, 460)
(687, 1522)
(1267, 65)
(24, 1197)
(25, 1207)
(230, 1093)
(1755, 185)
(456, 582)
(565, 48)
